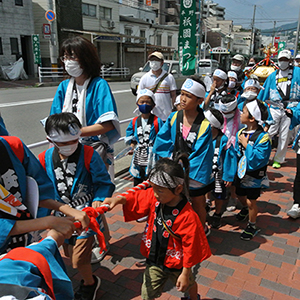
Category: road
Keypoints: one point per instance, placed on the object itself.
(23, 108)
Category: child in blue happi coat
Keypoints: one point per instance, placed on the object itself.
(80, 180)
(253, 148)
(224, 163)
(141, 134)
(187, 131)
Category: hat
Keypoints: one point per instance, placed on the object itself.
(297, 56)
(177, 100)
(157, 54)
(232, 74)
(145, 92)
(285, 53)
(239, 57)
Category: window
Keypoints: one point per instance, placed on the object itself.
(158, 39)
(128, 31)
(18, 2)
(105, 13)
(89, 10)
(1, 49)
(14, 46)
(169, 41)
(142, 35)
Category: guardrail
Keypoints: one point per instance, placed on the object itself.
(50, 72)
(111, 72)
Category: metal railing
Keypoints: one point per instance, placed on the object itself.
(111, 72)
(50, 72)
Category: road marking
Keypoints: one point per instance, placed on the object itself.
(10, 104)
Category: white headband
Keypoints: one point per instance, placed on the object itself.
(61, 137)
(177, 100)
(252, 82)
(194, 88)
(212, 119)
(220, 73)
(145, 92)
(163, 179)
(254, 110)
(227, 107)
(232, 74)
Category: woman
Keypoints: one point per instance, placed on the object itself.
(88, 96)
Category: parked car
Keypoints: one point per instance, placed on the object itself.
(207, 66)
(171, 66)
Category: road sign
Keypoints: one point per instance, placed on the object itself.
(36, 49)
(281, 46)
(46, 29)
(50, 15)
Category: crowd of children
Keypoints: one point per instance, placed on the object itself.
(214, 146)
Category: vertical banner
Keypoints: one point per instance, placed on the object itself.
(187, 37)
(148, 2)
(36, 48)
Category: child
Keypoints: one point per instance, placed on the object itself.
(142, 132)
(232, 124)
(217, 89)
(177, 104)
(187, 131)
(37, 271)
(224, 163)
(16, 219)
(174, 240)
(253, 148)
(80, 179)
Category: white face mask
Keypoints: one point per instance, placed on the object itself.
(231, 84)
(249, 95)
(235, 68)
(67, 150)
(283, 65)
(229, 116)
(155, 65)
(73, 68)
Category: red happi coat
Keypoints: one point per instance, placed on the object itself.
(192, 247)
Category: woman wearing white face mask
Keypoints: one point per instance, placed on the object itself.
(89, 97)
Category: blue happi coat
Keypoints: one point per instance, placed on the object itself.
(201, 156)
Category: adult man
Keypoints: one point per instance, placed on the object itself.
(161, 83)
(279, 86)
(237, 62)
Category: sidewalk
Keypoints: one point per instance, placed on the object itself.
(267, 267)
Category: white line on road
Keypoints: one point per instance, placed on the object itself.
(45, 100)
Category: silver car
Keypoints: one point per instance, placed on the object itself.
(171, 66)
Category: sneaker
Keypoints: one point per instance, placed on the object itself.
(265, 183)
(188, 298)
(98, 255)
(249, 233)
(276, 165)
(243, 214)
(88, 292)
(215, 221)
(143, 219)
(206, 230)
(231, 206)
(294, 212)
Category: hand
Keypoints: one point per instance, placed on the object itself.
(289, 113)
(96, 204)
(227, 183)
(58, 236)
(114, 201)
(182, 282)
(63, 225)
(81, 217)
(213, 87)
(244, 140)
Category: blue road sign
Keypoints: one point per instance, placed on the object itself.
(50, 15)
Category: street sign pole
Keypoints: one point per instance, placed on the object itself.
(50, 16)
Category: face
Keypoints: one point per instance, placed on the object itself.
(189, 101)
(237, 63)
(252, 89)
(145, 100)
(284, 59)
(68, 56)
(252, 60)
(232, 79)
(164, 195)
(245, 115)
(218, 81)
(60, 144)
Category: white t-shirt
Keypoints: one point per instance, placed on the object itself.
(283, 85)
(163, 106)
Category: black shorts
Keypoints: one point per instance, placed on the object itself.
(251, 193)
(202, 191)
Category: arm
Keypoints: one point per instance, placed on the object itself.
(97, 129)
(207, 99)
(229, 163)
(183, 279)
(173, 97)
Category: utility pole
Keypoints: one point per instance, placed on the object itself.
(297, 36)
(52, 42)
(200, 28)
(252, 29)
(274, 33)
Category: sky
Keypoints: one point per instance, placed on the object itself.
(267, 11)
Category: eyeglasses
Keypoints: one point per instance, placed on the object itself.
(67, 57)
